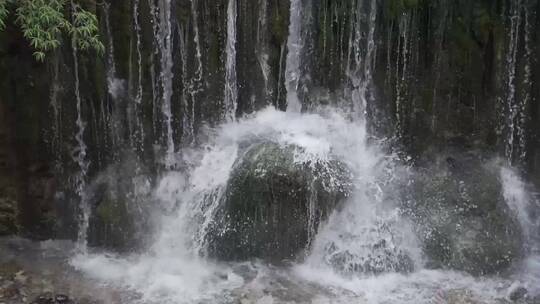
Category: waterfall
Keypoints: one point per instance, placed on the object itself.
(114, 85)
(115, 88)
(527, 86)
(137, 131)
(138, 46)
(518, 93)
(164, 43)
(80, 158)
(511, 61)
(369, 228)
(294, 56)
(196, 83)
(231, 85)
(401, 79)
(439, 34)
(362, 49)
(55, 105)
(523, 204)
(187, 126)
(262, 50)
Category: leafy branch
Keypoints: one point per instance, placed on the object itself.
(3, 13)
(43, 22)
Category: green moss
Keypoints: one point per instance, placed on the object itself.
(279, 26)
(112, 212)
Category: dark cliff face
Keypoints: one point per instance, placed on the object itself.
(458, 73)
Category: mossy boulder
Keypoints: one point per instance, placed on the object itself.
(273, 205)
(461, 216)
(119, 198)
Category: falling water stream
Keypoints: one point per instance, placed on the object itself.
(231, 85)
(79, 156)
(294, 56)
(164, 44)
(518, 96)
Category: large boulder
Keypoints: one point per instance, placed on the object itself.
(120, 200)
(461, 216)
(273, 205)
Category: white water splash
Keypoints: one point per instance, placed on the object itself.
(172, 271)
(195, 195)
(523, 204)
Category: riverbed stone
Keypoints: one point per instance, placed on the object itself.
(461, 217)
(272, 205)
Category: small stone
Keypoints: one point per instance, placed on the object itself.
(518, 293)
(20, 277)
(44, 299)
(10, 291)
(61, 299)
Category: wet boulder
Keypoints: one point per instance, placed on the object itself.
(372, 259)
(119, 199)
(273, 205)
(461, 216)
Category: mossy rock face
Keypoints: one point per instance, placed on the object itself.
(8, 216)
(272, 205)
(461, 216)
(119, 200)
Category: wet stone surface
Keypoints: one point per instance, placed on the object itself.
(39, 273)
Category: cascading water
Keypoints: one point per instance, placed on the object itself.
(114, 85)
(135, 119)
(56, 108)
(361, 56)
(262, 50)
(526, 88)
(511, 60)
(164, 42)
(518, 87)
(231, 85)
(401, 70)
(294, 56)
(80, 157)
(194, 86)
(368, 225)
